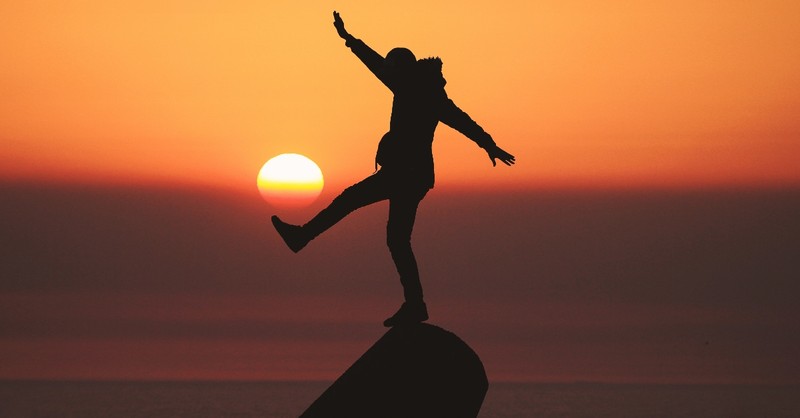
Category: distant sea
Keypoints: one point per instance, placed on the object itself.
(289, 399)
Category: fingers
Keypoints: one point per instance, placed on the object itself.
(498, 154)
(506, 161)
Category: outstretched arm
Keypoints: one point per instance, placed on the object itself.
(459, 120)
(370, 58)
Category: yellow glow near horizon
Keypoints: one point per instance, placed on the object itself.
(290, 180)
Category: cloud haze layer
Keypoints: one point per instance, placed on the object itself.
(611, 286)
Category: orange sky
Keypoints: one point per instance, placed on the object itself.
(583, 92)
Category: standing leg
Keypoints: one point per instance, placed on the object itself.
(368, 191)
(402, 213)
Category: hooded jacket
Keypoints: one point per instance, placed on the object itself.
(420, 103)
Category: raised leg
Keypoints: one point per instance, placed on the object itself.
(368, 191)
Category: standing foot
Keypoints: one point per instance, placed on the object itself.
(292, 234)
(409, 313)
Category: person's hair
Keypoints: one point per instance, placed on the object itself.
(400, 57)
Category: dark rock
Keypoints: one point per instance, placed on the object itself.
(415, 371)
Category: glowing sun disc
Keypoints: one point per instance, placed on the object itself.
(290, 180)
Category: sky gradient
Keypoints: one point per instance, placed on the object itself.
(648, 231)
(583, 92)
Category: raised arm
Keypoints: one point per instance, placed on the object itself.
(373, 60)
(454, 117)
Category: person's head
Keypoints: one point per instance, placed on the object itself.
(400, 59)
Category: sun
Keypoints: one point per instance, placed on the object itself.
(290, 180)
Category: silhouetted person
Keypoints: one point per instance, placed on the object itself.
(405, 158)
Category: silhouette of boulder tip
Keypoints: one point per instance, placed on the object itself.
(417, 370)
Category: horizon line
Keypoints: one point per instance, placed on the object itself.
(571, 382)
(441, 186)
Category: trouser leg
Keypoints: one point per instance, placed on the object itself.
(402, 213)
(363, 193)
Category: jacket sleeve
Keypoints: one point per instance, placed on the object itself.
(370, 58)
(459, 120)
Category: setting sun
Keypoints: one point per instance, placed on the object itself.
(290, 180)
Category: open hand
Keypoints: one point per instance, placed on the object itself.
(497, 153)
(338, 23)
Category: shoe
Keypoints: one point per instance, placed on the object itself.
(409, 313)
(292, 234)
